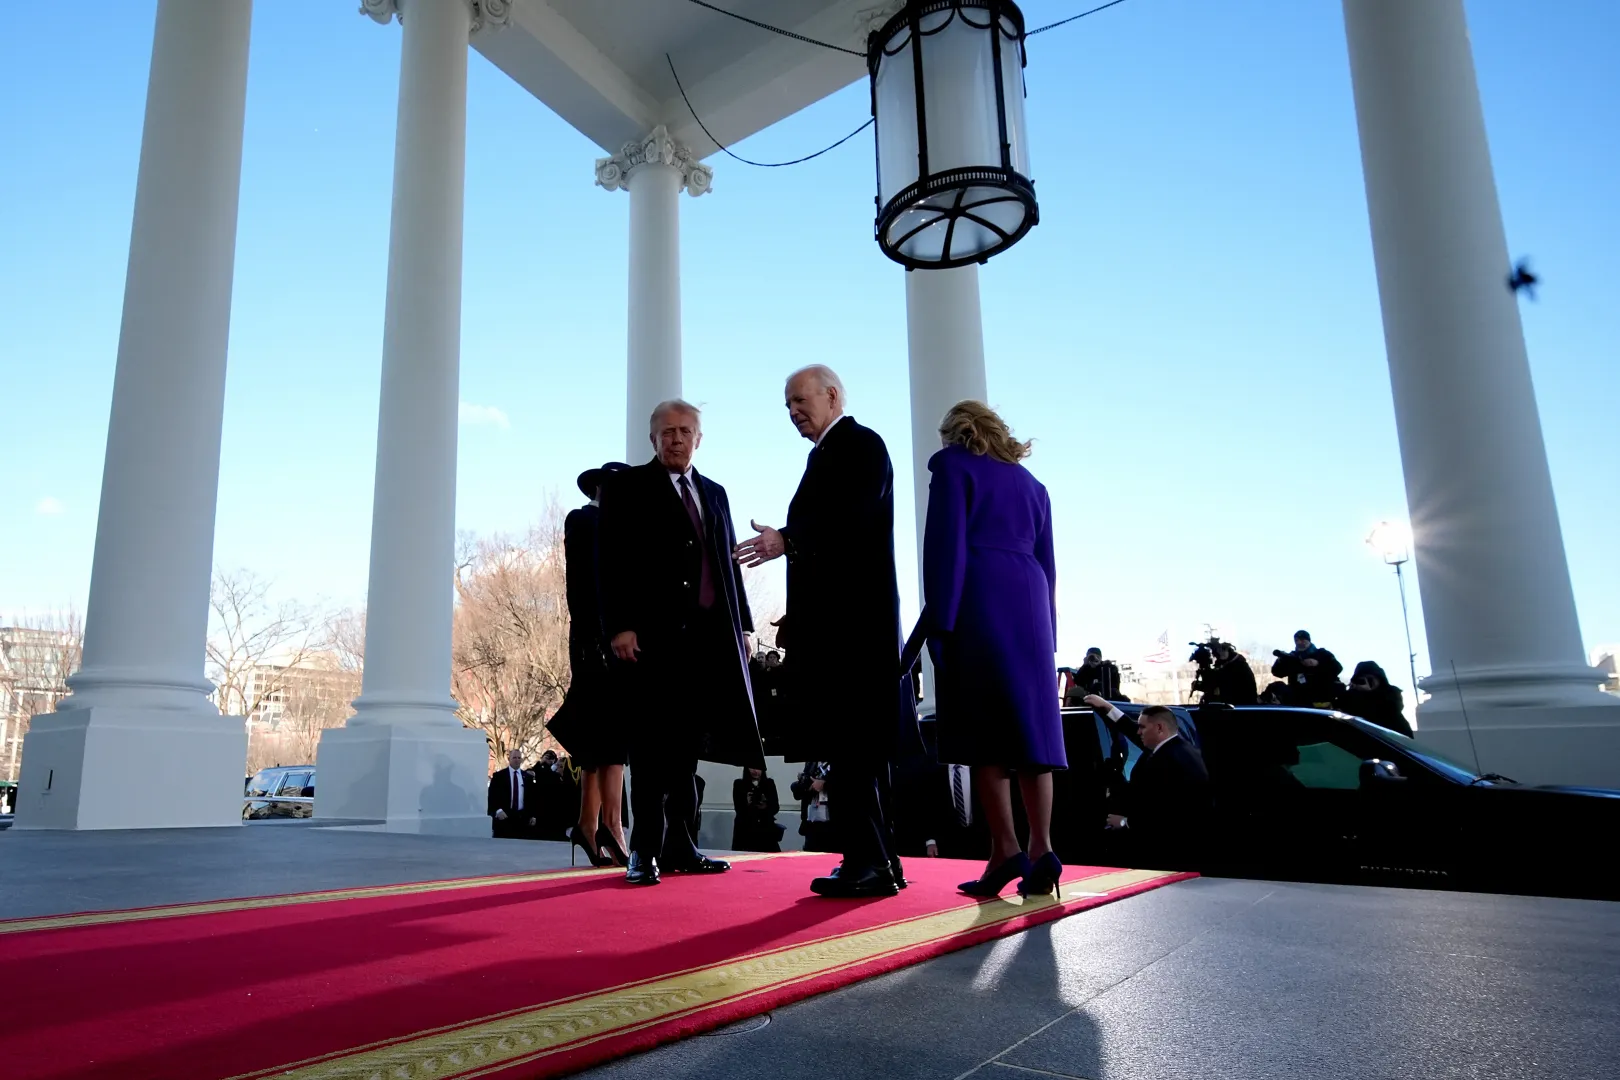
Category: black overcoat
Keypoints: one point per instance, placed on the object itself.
(589, 723)
(650, 566)
(842, 654)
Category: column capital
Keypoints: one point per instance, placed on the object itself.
(658, 148)
(496, 13)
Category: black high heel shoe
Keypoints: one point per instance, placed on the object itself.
(577, 840)
(609, 847)
(1042, 877)
(995, 880)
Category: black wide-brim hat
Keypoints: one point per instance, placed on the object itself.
(591, 479)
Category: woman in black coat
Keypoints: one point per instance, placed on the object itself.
(1372, 698)
(591, 724)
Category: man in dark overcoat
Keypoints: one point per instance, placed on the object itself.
(675, 615)
(853, 709)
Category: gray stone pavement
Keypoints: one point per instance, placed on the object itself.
(1237, 980)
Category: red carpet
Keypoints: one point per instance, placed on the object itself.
(513, 977)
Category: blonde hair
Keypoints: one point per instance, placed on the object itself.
(976, 427)
(674, 405)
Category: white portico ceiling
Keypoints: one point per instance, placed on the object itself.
(599, 64)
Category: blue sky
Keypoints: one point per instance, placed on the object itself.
(1191, 334)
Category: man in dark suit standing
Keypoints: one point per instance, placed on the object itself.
(843, 614)
(513, 809)
(1168, 799)
(675, 615)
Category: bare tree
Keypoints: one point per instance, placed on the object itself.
(345, 638)
(510, 636)
(765, 602)
(316, 699)
(253, 642)
(37, 656)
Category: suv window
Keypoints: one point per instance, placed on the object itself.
(294, 784)
(262, 783)
(1324, 765)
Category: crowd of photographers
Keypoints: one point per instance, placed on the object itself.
(1308, 676)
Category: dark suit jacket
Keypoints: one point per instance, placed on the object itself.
(843, 603)
(1168, 806)
(651, 565)
(579, 548)
(500, 797)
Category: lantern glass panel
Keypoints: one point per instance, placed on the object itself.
(1012, 77)
(959, 93)
(896, 89)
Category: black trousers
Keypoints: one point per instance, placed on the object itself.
(663, 805)
(858, 796)
(666, 738)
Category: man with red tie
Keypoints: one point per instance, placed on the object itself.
(675, 614)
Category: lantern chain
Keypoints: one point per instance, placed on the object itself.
(761, 164)
(826, 45)
(1071, 18)
(778, 30)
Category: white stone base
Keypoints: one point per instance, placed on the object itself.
(106, 767)
(1577, 745)
(419, 778)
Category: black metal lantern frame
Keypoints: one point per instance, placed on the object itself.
(966, 212)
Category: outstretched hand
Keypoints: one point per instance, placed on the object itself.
(763, 548)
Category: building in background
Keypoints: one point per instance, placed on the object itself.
(34, 667)
(1606, 658)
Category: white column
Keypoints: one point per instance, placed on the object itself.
(1496, 592)
(140, 704)
(404, 758)
(654, 171)
(945, 344)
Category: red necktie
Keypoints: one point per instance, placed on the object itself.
(706, 574)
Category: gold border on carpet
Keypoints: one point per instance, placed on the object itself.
(481, 1047)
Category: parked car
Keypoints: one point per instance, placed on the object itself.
(1309, 795)
(281, 791)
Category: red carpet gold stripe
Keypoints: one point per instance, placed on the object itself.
(210, 907)
(484, 1046)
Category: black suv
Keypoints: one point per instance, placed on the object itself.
(1303, 794)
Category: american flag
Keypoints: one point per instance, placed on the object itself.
(1161, 655)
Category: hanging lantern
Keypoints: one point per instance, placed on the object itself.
(952, 156)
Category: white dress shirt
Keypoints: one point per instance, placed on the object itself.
(514, 782)
(691, 478)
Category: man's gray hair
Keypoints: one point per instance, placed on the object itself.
(673, 405)
(825, 376)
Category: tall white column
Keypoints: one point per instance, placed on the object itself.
(945, 345)
(1497, 601)
(140, 704)
(404, 758)
(654, 171)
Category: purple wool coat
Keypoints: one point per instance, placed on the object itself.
(989, 586)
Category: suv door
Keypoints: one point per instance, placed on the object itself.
(291, 802)
(1287, 794)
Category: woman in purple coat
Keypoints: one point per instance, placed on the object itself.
(988, 591)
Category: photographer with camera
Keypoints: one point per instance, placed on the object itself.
(755, 802)
(1095, 676)
(1312, 674)
(1229, 679)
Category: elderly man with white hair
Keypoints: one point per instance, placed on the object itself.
(675, 615)
(842, 639)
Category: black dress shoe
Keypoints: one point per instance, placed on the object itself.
(856, 883)
(642, 871)
(704, 865)
(898, 872)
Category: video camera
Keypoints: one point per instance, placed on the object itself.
(1204, 656)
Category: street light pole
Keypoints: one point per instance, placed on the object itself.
(1389, 540)
(1411, 654)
